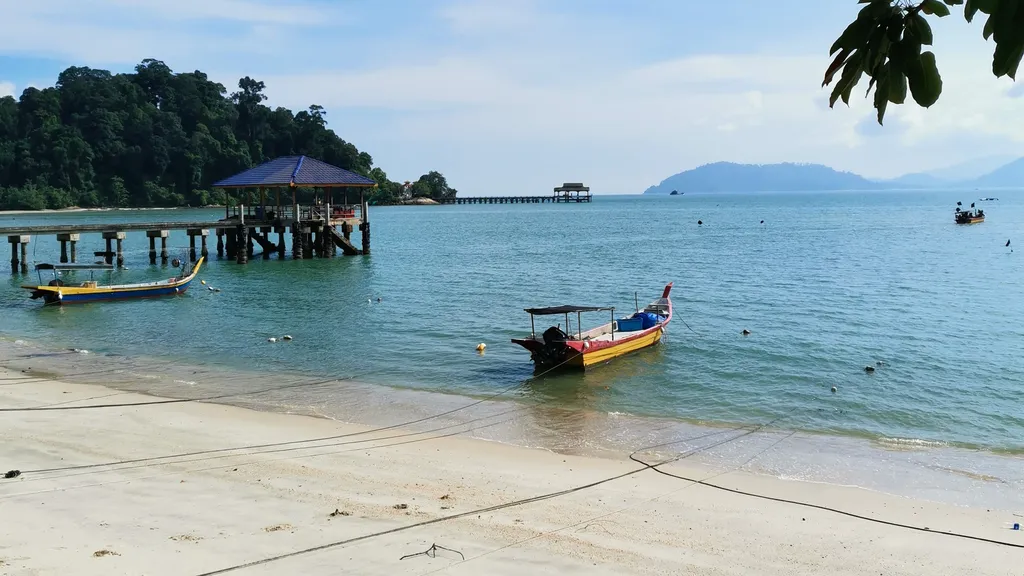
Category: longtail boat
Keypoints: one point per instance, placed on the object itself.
(972, 216)
(59, 292)
(557, 348)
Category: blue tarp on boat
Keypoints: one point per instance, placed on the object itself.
(648, 319)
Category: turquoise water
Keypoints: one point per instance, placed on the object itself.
(828, 284)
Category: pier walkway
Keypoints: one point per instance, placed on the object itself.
(570, 192)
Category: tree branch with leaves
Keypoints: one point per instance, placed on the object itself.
(886, 43)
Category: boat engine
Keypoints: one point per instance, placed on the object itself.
(554, 351)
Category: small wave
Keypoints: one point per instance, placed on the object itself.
(185, 382)
(619, 414)
(912, 443)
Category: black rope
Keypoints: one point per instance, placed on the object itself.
(486, 510)
(324, 438)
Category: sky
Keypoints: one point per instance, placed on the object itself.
(518, 96)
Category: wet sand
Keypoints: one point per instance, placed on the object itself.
(206, 512)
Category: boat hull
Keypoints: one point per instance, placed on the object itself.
(971, 220)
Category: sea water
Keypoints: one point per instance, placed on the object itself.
(826, 284)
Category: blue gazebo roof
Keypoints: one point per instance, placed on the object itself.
(295, 171)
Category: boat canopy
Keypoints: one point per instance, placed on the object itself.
(74, 266)
(566, 310)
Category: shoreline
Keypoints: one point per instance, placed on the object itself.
(195, 513)
(920, 470)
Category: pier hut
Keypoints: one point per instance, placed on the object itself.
(318, 225)
(317, 204)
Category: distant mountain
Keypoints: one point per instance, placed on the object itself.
(730, 177)
(920, 180)
(1009, 176)
(972, 169)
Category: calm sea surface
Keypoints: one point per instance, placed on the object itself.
(828, 284)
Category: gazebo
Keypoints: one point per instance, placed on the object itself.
(314, 225)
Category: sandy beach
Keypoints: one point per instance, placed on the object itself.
(355, 501)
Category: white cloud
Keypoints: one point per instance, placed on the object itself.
(6, 89)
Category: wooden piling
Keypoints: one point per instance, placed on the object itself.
(118, 237)
(365, 228)
(242, 244)
(298, 239)
(18, 243)
(220, 242)
(153, 235)
(202, 233)
(280, 242)
(65, 239)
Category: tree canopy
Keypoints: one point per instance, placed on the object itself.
(886, 43)
(158, 138)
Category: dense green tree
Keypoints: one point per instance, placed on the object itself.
(886, 43)
(432, 185)
(154, 137)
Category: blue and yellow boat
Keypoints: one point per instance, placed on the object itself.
(58, 292)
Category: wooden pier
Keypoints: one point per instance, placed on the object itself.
(317, 229)
(570, 192)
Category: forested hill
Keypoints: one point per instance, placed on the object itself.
(157, 138)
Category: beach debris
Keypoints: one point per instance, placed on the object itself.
(445, 497)
(271, 339)
(834, 389)
(400, 506)
(12, 474)
(339, 512)
(102, 553)
(432, 552)
(869, 369)
(186, 538)
(286, 337)
(1016, 525)
(277, 527)
(481, 347)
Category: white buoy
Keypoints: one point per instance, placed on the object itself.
(369, 300)
(203, 282)
(210, 288)
(286, 337)
(834, 389)
(216, 289)
(271, 340)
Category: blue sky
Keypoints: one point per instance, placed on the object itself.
(517, 96)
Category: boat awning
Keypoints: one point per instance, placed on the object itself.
(74, 266)
(566, 310)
